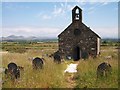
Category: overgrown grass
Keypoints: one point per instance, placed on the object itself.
(52, 75)
(86, 75)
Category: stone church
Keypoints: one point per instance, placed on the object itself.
(78, 41)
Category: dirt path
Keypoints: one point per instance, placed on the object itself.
(70, 81)
(69, 75)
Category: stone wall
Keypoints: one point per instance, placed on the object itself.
(77, 35)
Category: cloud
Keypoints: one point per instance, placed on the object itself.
(31, 31)
(58, 10)
(91, 10)
(46, 17)
(107, 32)
(103, 32)
(43, 16)
(62, 8)
(105, 3)
(94, 6)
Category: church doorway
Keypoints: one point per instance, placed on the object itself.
(76, 53)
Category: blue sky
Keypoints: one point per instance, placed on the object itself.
(48, 19)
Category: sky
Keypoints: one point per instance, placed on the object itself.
(48, 19)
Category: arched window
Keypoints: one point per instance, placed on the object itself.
(77, 32)
(77, 11)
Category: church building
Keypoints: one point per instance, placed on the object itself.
(78, 41)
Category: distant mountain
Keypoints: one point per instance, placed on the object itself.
(30, 38)
(19, 38)
(13, 37)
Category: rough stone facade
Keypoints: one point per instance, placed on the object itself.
(77, 40)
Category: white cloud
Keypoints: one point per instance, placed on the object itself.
(105, 3)
(62, 5)
(94, 6)
(42, 15)
(31, 31)
(91, 10)
(46, 17)
(107, 32)
(58, 10)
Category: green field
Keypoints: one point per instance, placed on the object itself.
(52, 75)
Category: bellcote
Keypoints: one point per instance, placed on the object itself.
(76, 14)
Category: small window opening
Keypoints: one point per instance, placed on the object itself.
(77, 14)
(77, 32)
